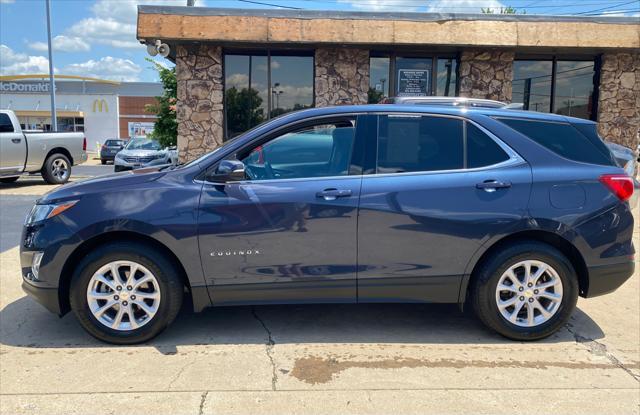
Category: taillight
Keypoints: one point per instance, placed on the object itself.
(620, 185)
(84, 144)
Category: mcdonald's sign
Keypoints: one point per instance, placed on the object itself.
(100, 105)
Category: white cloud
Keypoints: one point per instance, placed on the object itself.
(115, 69)
(386, 5)
(435, 6)
(114, 22)
(63, 43)
(464, 6)
(12, 63)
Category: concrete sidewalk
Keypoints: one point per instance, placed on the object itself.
(334, 359)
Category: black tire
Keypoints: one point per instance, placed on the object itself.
(484, 283)
(47, 169)
(9, 179)
(103, 161)
(166, 273)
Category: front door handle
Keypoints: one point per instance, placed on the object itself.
(493, 185)
(16, 140)
(333, 194)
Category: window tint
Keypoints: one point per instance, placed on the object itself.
(5, 124)
(419, 143)
(481, 149)
(561, 138)
(315, 151)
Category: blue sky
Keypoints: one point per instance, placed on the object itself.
(97, 37)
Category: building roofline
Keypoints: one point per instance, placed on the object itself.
(364, 15)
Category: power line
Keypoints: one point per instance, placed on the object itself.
(610, 7)
(270, 4)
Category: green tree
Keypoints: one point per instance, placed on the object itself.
(166, 127)
(502, 10)
(374, 96)
(243, 109)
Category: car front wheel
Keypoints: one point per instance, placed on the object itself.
(526, 291)
(125, 293)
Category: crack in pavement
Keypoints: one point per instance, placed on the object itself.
(177, 375)
(269, 348)
(600, 349)
(203, 398)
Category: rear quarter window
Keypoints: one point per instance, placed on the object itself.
(563, 139)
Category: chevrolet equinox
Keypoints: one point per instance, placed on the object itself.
(514, 213)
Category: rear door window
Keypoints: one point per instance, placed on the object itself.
(561, 138)
(409, 143)
(482, 150)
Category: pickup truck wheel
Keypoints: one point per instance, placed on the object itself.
(526, 291)
(8, 179)
(125, 293)
(56, 169)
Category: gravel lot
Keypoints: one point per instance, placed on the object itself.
(313, 358)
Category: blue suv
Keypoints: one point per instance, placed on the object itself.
(515, 213)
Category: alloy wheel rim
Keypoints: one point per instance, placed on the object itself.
(529, 293)
(60, 169)
(123, 295)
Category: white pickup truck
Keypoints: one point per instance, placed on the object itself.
(50, 154)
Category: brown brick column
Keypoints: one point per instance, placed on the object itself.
(342, 76)
(619, 98)
(486, 74)
(200, 100)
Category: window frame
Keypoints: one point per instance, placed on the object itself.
(513, 156)
(554, 59)
(434, 56)
(268, 53)
(356, 156)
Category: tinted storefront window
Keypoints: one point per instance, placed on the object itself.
(532, 84)
(570, 82)
(250, 100)
(292, 83)
(411, 76)
(447, 77)
(378, 79)
(574, 89)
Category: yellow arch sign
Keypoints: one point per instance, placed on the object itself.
(100, 105)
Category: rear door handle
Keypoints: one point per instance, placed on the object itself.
(16, 140)
(493, 185)
(333, 194)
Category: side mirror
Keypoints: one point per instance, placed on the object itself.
(228, 171)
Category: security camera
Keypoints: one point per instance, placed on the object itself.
(152, 50)
(158, 48)
(164, 50)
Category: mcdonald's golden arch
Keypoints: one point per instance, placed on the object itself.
(100, 105)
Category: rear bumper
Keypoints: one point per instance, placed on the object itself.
(607, 278)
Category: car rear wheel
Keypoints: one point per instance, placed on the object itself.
(103, 161)
(56, 169)
(125, 293)
(526, 291)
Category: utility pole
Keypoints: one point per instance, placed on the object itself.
(52, 82)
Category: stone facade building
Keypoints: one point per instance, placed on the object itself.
(237, 68)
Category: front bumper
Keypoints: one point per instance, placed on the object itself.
(48, 297)
(604, 279)
(120, 164)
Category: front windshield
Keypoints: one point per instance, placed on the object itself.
(143, 144)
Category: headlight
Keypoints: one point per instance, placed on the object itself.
(41, 212)
(118, 156)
